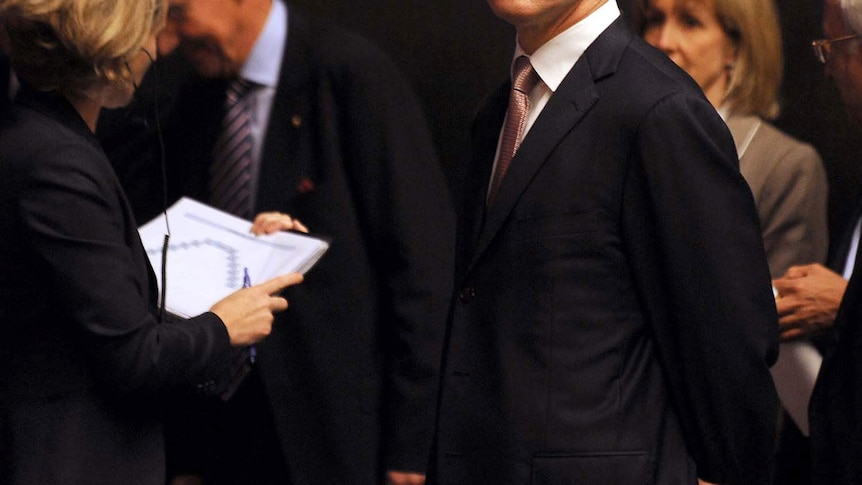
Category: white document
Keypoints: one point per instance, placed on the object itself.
(794, 375)
(209, 251)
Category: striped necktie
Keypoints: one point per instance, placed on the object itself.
(230, 190)
(230, 173)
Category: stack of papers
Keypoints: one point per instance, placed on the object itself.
(209, 251)
(795, 374)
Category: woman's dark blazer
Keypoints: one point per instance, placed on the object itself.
(85, 364)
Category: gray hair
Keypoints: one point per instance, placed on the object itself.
(852, 11)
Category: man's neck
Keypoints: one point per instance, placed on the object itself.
(88, 109)
(535, 34)
(250, 28)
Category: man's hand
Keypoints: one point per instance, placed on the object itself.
(270, 222)
(404, 478)
(808, 300)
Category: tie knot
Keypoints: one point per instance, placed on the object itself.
(524, 77)
(237, 89)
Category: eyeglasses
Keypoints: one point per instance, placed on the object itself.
(823, 47)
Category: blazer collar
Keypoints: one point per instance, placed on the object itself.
(57, 107)
(743, 129)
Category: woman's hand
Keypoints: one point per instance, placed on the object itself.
(248, 313)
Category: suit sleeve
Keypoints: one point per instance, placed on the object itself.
(71, 210)
(407, 216)
(853, 471)
(792, 208)
(710, 302)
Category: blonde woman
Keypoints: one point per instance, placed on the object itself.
(732, 49)
(86, 366)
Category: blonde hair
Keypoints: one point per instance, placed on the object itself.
(755, 76)
(76, 46)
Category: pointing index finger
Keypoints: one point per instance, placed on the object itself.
(280, 282)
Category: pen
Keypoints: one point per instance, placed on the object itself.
(246, 282)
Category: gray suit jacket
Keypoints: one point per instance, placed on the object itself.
(790, 190)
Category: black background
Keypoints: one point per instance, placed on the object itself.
(456, 51)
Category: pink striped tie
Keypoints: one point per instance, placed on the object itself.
(524, 80)
(230, 173)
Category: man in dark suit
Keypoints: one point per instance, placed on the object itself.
(345, 387)
(813, 298)
(613, 322)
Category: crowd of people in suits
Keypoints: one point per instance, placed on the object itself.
(601, 301)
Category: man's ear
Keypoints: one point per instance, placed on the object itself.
(166, 42)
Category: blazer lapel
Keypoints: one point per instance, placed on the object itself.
(474, 188)
(742, 128)
(567, 107)
(283, 175)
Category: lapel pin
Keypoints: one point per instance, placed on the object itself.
(305, 186)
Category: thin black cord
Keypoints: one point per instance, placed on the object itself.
(158, 121)
(161, 139)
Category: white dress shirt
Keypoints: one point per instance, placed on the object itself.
(554, 59)
(263, 68)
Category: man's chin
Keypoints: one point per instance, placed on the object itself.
(206, 64)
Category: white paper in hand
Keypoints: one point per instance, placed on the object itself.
(794, 375)
(208, 250)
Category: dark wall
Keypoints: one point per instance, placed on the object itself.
(456, 51)
(453, 51)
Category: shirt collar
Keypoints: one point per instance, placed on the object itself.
(554, 59)
(264, 63)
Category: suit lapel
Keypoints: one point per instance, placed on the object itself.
(564, 111)
(485, 135)
(838, 259)
(567, 107)
(282, 174)
(742, 128)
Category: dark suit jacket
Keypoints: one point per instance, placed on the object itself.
(839, 251)
(614, 323)
(351, 369)
(834, 413)
(85, 362)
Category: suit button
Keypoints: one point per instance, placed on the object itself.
(206, 387)
(467, 294)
